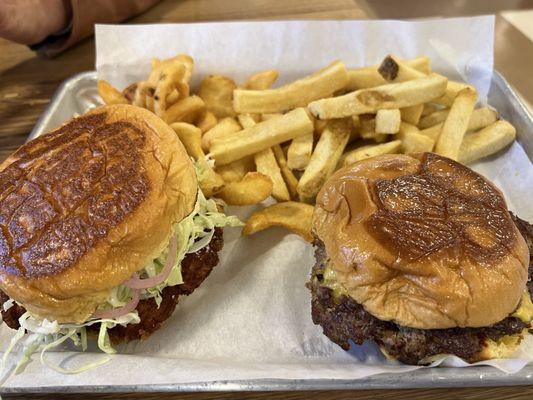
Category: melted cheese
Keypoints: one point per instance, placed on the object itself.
(525, 309)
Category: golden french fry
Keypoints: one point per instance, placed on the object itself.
(296, 94)
(290, 180)
(217, 93)
(393, 95)
(412, 114)
(109, 94)
(261, 80)
(368, 77)
(324, 159)
(266, 164)
(371, 151)
(430, 108)
(452, 89)
(296, 217)
(185, 110)
(395, 70)
(181, 60)
(487, 141)
(416, 143)
(166, 84)
(209, 181)
(253, 188)
(388, 121)
(299, 152)
(206, 121)
(236, 170)
(248, 120)
(434, 118)
(261, 136)
(224, 128)
(267, 116)
(143, 91)
(129, 92)
(480, 118)
(191, 137)
(456, 124)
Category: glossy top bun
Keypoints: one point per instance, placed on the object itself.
(423, 241)
(87, 205)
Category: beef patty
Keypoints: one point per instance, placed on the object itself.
(343, 319)
(195, 267)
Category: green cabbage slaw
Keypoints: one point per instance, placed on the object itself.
(36, 335)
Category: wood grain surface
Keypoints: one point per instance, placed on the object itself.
(27, 83)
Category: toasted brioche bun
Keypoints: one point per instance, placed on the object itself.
(423, 241)
(88, 205)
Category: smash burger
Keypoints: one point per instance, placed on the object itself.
(103, 229)
(420, 254)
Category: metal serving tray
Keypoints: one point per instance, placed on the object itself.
(78, 94)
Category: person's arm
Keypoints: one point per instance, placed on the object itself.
(31, 21)
(52, 26)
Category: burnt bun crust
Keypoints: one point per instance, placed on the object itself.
(422, 241)
(84, 207)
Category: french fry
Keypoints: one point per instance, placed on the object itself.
(480, 118)
(261, 136)
(206, 121)
(288, 176)
(159, 65)
(412, 114)
(191, 137)
(266, 164)
(224, 128)
(253, 188)
(430, 108)
(217, 93)
(296, 217)
(367, 77)
(394, 70)
(452, 90)
(487, 141)
(413, 141)
(129, 92)
(434, 118)
(394, 95)
(166, 84)
(388, 121)
(236, 170)
(143, 91)
(266, 117)
(185, 110)
(261, 80)
(324, 159)
(299, 152)
(456, 124)
(372, 150)
(209, 181)
(296, 94)
(248, 120)
(433, 132)
(109, 94)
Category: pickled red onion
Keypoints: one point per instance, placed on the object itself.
(137, 283)
(117, 312)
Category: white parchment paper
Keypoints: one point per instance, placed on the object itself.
(251, 317)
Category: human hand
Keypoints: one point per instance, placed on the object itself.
(31, 21)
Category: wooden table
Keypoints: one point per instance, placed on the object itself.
(27, 84)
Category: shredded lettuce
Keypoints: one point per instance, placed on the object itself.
(193, 233)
